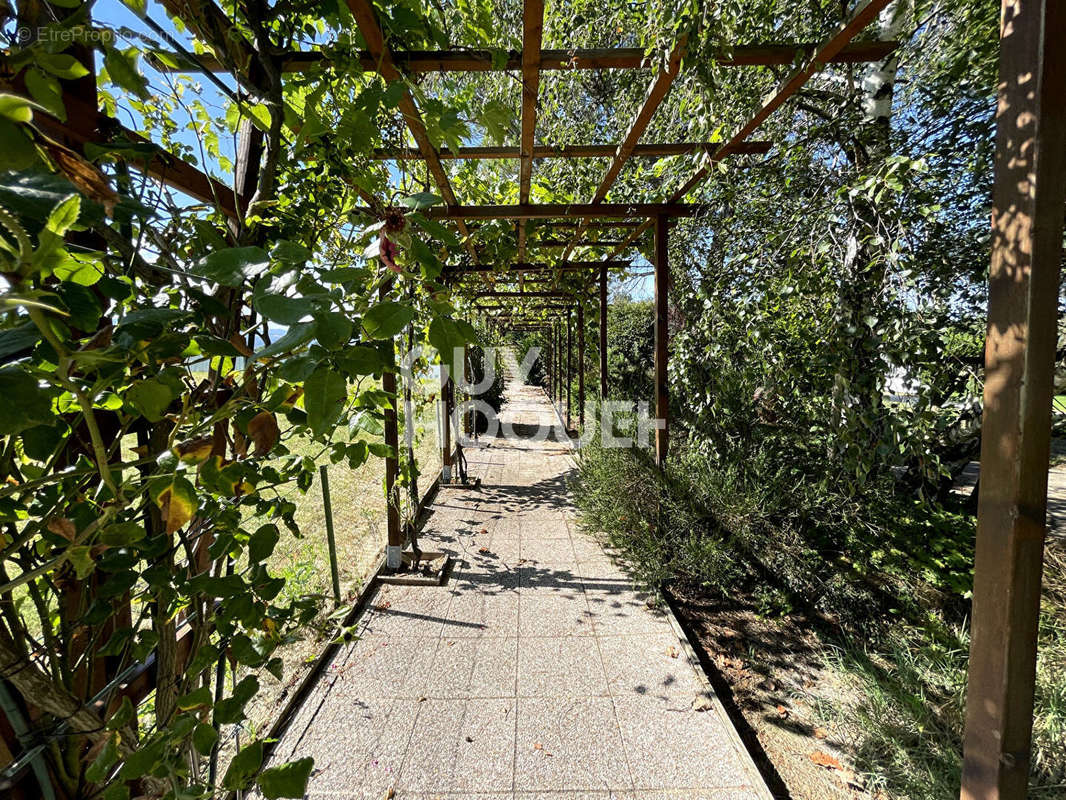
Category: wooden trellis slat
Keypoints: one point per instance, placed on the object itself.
(423, 61)
(569, 151)
(521, 266)
(657, 92)
(532, 30)
(366, 19)
(562, 210)
(821, 55)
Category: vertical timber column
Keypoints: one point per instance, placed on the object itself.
(446, 421)
(580, 366)
(1027, 220)
(662, 294)
(603, 333)
(569, 366)
(392, 466)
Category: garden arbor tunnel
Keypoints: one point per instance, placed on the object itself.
(548, 292)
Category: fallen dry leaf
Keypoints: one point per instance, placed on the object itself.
(483, 530)
(702, 703)
(383, 606)
(820, 733)
(782, 711)
(483, 550)
(672, 651)
(826, 760)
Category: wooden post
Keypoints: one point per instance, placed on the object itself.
(446, 421)
(662, 294)
(1023, 290)
(580, 366)
(569, 338)
(603, 333)
(392, 466)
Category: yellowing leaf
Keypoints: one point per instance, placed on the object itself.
(176, 499)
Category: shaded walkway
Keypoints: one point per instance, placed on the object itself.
(537, 671)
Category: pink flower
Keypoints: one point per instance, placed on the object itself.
(388, 253)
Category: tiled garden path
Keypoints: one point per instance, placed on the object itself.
(538, 671)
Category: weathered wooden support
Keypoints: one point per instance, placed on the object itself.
(394, 544)
(580, 366)
(569, 151)
(423, 61)
(662, 330)
(446, 419)
(1023, 292)
(603, 333)
(569, 364)
(532, 30)
(567, 211)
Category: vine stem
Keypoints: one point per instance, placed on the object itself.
(99, 449)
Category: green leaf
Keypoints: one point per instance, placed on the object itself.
(204, 737)
(360, 360)
(233, 266)
(122, 534)
(262, 543)
(294, 337)
(446, 335)
(283, 309)
(198, 698)
(151, 398)
(244, 766)
(81, 558)
(15, 340)
(288, 780)
(25, 404)
(325, 393)
(82, 304)
(385, 320)
(176, 497)
(46, 90)
(105, 759)
(421, 200)
(121, 66)
(435, 229)
(15, 108)
(230, 710)
(290, 252)
(61, 65)
(334, 329)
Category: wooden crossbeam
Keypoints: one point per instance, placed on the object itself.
(504, 293)
(521, 266)
(569, 151)
(366, 19)
(422, 61)
(566, 211)
(831, 48)
(657, 92)
(212, 26)
(532, 30)
(571, 243)
(164, 167)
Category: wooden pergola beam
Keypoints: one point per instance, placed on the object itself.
(532, 30)
(657, 92)
(522, 266)
(366, 19)
(539, 294)
(423, 61)
(571, 243)
(1023, 291)
(570, 151)
(823, 54)
(566, 211)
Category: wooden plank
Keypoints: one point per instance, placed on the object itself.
(525, 266)
(571, 243)
(569, 151)
(603, 333)
(493, 293)
(532, 29)
(662, 335)
(825, 53)
(1027, 224)
(657, 92)
(563, 211)
(366, 19)
(423, 61)
(580, 366)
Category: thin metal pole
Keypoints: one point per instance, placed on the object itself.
(331, 540)
(446, 420)
(394, 548)
(1023, 291)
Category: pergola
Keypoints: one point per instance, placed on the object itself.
(1030, 194)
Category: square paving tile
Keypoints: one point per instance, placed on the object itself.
(556, 752)
(553, 614)
(461, 746)
(624, 611)
(671, 747)
(649, 665)
(474, 613)
(382, 666)
(358, 746)
(560, 667)
(473, 667)
(555, 550)
(409, 611)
